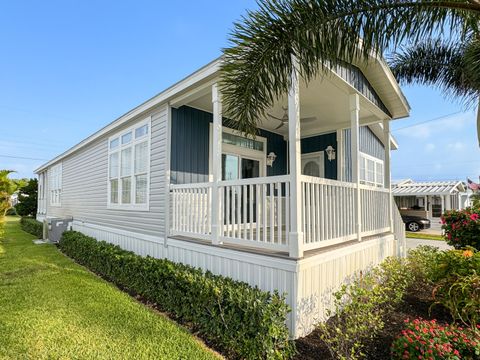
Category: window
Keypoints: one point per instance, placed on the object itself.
(55, 184)
(129, 168)
(371, 170)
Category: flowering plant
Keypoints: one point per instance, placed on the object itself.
(424, 339)
(456, 277)
(462, 228)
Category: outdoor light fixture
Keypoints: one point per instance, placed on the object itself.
(330, 152)
(271, 158)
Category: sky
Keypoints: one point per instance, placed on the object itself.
(68, 68)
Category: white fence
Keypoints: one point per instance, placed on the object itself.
(256, 212)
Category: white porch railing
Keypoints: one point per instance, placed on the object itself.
(191, 210)
(328, 212)
(256, 212)
(375, 210)
(399, 231)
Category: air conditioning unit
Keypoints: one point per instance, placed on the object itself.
(53, 228)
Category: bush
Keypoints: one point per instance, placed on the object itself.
(428, 340)
(361, 306)
(456, 275)
(32, 226)
(462, 228)
(11, 212)
(420, 263)
(27, 199)
(243, 321)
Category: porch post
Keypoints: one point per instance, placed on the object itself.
(355, 151)
(387, 176)
(448, 202)
(295, 156)
(217, 161)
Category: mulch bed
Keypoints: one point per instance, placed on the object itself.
(416, 304)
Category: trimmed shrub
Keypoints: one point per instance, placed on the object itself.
(32, 226)
(244, 322)
(428, 340)
(462, 228)
(11, 212)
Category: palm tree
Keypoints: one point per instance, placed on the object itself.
(320, 33)
(452, 67)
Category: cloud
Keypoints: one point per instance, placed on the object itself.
(430, 147)
(452, 124)
(457, 146)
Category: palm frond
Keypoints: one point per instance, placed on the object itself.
(257, 65)
(439, 63)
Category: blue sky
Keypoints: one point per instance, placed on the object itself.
(70, 67)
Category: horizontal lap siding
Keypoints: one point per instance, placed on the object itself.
(84, 188)
(368, 143)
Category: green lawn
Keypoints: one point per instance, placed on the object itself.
(52, 308)
(419, 235)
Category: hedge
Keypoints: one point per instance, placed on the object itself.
(243, 322)
(32, 226)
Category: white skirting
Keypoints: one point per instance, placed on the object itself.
(308, 283)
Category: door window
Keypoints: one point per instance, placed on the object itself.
(230, 167)
(313, 165)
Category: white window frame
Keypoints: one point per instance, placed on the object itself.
(148, 138)
(55, 174)
(241, 152)
(363, 158)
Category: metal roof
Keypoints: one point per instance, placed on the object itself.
(411, 188)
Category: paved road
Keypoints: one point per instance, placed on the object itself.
(413, 243)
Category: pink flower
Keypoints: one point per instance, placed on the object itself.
(474, 217)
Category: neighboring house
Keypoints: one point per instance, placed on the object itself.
(429, 199)
(298, 209)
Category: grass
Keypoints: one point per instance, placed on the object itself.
(417, 235)
(52, 308)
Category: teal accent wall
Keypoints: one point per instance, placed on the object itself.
(189, 141)
(320, 143)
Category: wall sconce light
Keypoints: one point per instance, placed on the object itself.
(330, 152)
(271, 158)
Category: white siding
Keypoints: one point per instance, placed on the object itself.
(84, 185)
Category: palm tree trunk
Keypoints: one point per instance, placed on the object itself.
(478, 121)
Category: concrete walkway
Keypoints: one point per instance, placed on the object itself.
(413, 243)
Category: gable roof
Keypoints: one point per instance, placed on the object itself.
(377, 72)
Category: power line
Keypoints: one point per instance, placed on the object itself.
(21, 157)
(427, 121)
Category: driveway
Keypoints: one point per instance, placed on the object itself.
(413, 243)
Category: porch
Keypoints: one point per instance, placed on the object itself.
(255, 213)
(297, 211)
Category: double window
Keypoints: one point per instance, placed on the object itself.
(371, 170)
(55, 184)
(129, 168)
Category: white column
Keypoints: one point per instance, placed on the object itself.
(295, 157)
(387, 167)
(216, 162)
(448, 202)
(355, 151)
(167, 176)
(443, 202)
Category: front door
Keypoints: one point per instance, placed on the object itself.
(236, 167)
(313, 164)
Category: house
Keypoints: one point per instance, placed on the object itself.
(430, 199)
(298, 208)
